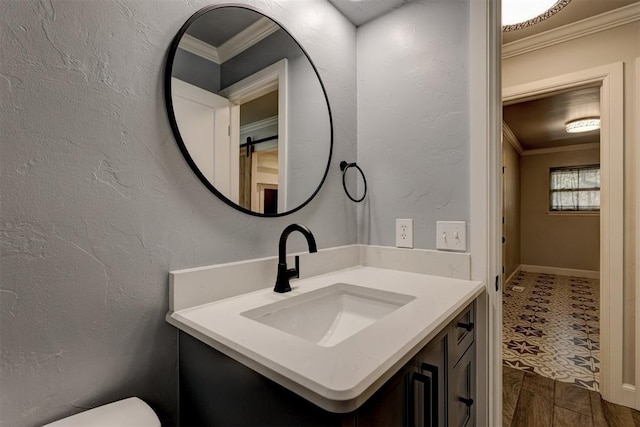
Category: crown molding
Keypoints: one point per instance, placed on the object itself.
(259, 125)
(246, 38)
(242, 41)
(564, 148)
(585, 27)
(509, 136)
(273, 77)
(200, 48)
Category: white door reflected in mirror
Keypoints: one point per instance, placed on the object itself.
(204, 120)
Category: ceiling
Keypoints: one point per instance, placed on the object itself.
(208, 27)
(540, 123)
(576, 10)
(362, 11)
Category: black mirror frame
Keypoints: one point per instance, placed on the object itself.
(176, 132)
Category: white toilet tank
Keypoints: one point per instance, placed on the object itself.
(131, 412)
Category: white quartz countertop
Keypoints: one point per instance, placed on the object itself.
(338, 378)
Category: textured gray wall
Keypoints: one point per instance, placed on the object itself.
(98, 204)
(413, 119)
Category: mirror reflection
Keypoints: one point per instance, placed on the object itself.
(249, 109)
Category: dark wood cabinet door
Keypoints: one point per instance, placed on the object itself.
(388, 406)
(430, 403)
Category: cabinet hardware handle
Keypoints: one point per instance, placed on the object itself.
(427, 386)
(467, 326)
(467, 402)
(433, 370)
(430, 394)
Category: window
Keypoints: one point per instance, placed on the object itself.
(574, 188)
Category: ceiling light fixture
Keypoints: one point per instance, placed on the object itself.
(583, 125)
(519, 14)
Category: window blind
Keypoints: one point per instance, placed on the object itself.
(574, 188)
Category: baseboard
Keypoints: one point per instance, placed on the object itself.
(514, 274)
(628, 396)
(588, 274)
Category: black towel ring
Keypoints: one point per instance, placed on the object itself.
(343, 167)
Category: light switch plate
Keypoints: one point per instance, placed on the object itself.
(451, 235)
(404, 233)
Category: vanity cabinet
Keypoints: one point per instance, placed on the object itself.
(442, 385)
(435, 388)
(215, 390)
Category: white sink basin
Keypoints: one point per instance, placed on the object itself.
(329, 315)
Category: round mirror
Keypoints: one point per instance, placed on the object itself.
(248, 110)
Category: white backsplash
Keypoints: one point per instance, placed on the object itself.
(201, 285)
(424, 261)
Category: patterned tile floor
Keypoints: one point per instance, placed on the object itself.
(551, 327)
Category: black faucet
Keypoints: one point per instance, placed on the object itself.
(284, 274)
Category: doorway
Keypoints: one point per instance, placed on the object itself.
(610, 80)
(551, 237)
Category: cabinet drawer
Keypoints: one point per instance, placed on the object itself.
(462, 333)
(462, 397)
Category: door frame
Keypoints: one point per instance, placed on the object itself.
(485, 128)
(611, 81)
(637, 295)
(270, 78)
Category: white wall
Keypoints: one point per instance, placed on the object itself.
(98, 203)
(607, 47)
(413, 119)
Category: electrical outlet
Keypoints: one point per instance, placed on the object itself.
(404, 233)
(451, 235)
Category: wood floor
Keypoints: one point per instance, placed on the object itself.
(532, 400)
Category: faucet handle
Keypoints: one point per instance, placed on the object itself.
(294, 273)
